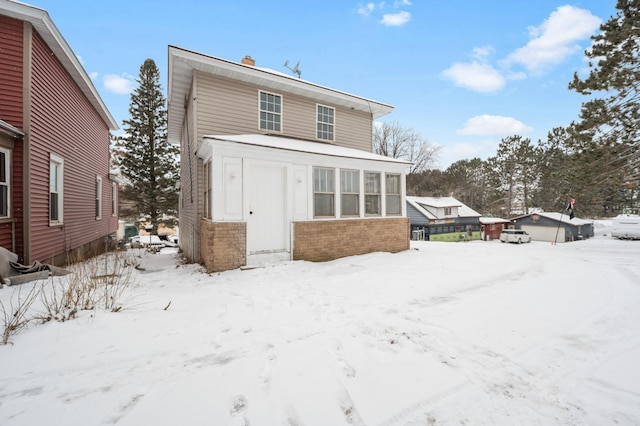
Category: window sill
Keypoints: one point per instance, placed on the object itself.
(56, 224)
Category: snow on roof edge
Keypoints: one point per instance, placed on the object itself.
(301, 145)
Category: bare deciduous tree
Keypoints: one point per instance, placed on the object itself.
(393, 140)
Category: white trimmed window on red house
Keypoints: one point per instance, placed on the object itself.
(5, 184)
(98, 197)
(56, 189)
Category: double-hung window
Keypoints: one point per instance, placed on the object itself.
(325, 123)
(207, 190)
(56, 189)
(372, 193)
(393, 194)
(270, 112)
(114, 199)
(349, 192)
(98, 197)
(5, 183)
(323, 192)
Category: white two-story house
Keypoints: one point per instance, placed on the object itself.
(275, 167)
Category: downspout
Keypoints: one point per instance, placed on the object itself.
(27, 54)
(13, 235)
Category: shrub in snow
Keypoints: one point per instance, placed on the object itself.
(15, 313)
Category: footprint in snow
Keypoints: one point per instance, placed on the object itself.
(347, 368)
(265, 373)
(238, 411)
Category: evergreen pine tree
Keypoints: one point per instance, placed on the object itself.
(612, 122)
(148, 161)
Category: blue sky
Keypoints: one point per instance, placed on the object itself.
(462, 73)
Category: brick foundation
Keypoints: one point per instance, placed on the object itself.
(223, 245)
(323, 240)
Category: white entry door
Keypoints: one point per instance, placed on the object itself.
(266, 223)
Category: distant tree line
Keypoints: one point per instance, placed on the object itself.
(594, 160)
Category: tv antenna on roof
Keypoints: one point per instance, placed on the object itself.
(295, 69)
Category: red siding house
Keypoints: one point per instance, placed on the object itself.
(492, 227)
(56, 192)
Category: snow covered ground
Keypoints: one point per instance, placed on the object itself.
(478, 333)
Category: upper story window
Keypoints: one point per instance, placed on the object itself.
(447, 211)
(326, 119)
(393, 196)
(98, 197)
(372, 193)
(5, 183)
(270, 112)
(349, 192)
(56, 189)
(323, 192)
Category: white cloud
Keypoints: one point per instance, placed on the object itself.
(481, 52)
(555, 39)
(482, 149)
(475, 76)
(366, 9)
(493, 125)
(93, 75)
(122, 85)
(396, 19)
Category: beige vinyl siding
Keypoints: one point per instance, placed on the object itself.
(189, 193)
(227, 106)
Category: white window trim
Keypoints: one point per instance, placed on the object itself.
(399, 194)
(7, 168)
(208, 187)
(380, 193)
(333, 126)
(332, 193)
(281, 114)
(358, 193)
(59, 161)
(98, 204)
(114, 199)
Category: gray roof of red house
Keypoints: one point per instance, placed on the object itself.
(43, 24)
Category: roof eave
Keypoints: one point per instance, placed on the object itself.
(42, 22)
(182, 62)
(10, 130)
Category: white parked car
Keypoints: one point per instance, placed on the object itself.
(626, 227)
(515, 236)
(147, 241)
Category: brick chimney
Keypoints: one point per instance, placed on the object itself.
(248, 60)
